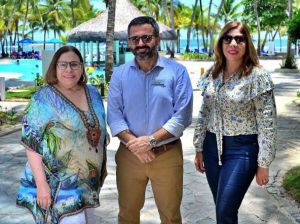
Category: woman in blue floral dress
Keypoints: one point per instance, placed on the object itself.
(236, 129)
(64, 133)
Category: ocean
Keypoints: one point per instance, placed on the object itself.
(280, 46)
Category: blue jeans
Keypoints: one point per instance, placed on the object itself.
(230, 182)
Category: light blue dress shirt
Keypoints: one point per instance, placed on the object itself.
(145, 102)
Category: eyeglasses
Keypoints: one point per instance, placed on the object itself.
(238, 39)
(145, 39)
(63, 65)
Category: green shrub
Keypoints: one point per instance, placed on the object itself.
(291, 182)
(26, 94)
(8, 117)
(289, 62)
(188, 56)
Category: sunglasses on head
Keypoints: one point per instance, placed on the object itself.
(238, 39)
(145, 39)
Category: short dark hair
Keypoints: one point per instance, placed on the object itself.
(51, 76)
(144, 20)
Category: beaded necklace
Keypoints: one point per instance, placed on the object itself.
(93, 131)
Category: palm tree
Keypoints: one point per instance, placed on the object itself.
(172, 27)
(187, 49)
(72, 12)
(182, 15)
(211, 46)
(81, 11)
(35, 19)
(54, 15)
(202, 25)
(258, 25)
(109, 58)
(231, 11)
(289, 44)
(8, 12)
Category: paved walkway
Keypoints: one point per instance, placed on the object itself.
(261, 205)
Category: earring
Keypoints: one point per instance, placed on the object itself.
(83, 78)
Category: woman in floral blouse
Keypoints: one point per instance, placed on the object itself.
(236, 129)
(64, 132)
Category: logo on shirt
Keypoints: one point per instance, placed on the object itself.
(158, 82)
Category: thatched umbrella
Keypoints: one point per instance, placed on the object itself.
(95, 29)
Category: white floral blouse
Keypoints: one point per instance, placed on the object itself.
(240, 106)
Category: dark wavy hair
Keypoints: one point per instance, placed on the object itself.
(51, 76)
(250, 59)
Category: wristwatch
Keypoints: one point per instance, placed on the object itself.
(152, 141)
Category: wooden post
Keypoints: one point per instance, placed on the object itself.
(2, 88)
(201, 71)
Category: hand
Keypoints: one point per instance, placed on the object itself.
(262, 176)
(43, 195)
(145, 157)
(199, 162)
(140, 144)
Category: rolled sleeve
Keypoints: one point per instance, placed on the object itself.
(183, 106)
(266, 123)
(115, 117)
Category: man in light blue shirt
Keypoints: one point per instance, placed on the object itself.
(149, 106)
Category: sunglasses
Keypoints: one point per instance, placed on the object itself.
(63, 65)
(146, 39)
(238, 39)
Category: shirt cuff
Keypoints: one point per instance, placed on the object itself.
(117, 127)
(174, 128)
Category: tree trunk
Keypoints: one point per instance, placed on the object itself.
(187, 49)
(264, 40)
(211, 46)
(164, 4)
(25, 19)
(258, 26)
(9, 21)
(289, 44)
(208, 23)
(172, 27)
(178, 41)
(276, 31)
(197, 37)
(109, 58)
(202, 26)
(73, 17)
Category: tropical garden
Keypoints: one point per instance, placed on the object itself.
(267, 19)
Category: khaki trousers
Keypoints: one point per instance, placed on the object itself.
(166, 176)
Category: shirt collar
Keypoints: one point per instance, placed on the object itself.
(160, 63)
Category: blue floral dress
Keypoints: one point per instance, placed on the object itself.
(74, 169)
(239, 106)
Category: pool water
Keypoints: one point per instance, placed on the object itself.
(27, 69)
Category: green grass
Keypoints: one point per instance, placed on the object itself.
(291, 182)
(188, 56)
(28, 92)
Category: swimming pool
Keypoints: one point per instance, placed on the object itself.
(26, 70)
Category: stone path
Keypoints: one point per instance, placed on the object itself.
(261, 205)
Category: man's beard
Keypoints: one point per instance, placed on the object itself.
(151, 52)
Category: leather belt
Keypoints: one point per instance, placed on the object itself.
(163, 148)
